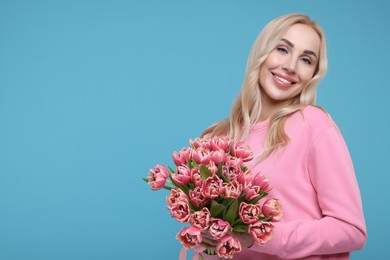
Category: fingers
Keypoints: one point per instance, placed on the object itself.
(208, 241)
(245, 239)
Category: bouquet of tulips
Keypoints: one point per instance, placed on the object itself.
(213, 190)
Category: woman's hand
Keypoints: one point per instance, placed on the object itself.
(207, 240)
(245, 239)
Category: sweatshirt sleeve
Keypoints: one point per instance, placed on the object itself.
(342, 227)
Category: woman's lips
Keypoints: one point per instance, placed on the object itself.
(282, 80)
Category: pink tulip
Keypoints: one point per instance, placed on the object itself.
(245, 178)
(261, 232)
(197, 197)
(219, 228)
(201, 143)
(262, 181)
(241, 150)
(232, 189)
(232, 168)
(251, 192)
(189, 237)
(272, 208)
(212, 167)
(180, 211)
(249, 213)
(228, 246)
(158, 177)
(220, 143)
(182, 157)
(234, 162)
(182, 175)
(195, 177)
(175, 196)
(201, 219)
(218, 156)
(212, 187)
(201, 156)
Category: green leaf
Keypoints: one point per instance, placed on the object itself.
(184, 188)
(227, 202)
(172, 181)
(219, 172)
(220, 199)
(254, 201)
(205, 172)
(263, 194)
(238, 222)
(216, 208)
(194, 164)
(231, 212)
(146, 180)
(266, 219)
(172, 170)
(241, 228)
(194, 208)
(167, 188)
(226, 179)
(242, 195)
(242, 198)
(170, 177)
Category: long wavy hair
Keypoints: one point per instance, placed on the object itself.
(247, 107)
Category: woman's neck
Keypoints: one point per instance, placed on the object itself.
(271, 107)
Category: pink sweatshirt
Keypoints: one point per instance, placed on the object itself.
(314, 180)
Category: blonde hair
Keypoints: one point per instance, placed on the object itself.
(247, 107)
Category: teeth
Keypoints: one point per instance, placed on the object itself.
(283, 80)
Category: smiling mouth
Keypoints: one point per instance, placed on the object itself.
(283, 80)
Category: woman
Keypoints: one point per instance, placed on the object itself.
(297, 146)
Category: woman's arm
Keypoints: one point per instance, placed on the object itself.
(342, 227)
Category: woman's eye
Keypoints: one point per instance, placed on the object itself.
(282, 49)
(306, 60)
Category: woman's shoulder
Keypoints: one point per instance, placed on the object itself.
(316, 113)
(316, 119)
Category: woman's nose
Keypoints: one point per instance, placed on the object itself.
(289, 65)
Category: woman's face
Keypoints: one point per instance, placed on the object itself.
(290, 65)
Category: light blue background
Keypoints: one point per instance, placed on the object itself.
(94, 93)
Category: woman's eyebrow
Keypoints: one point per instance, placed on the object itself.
(305, 51)
(288, 42)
